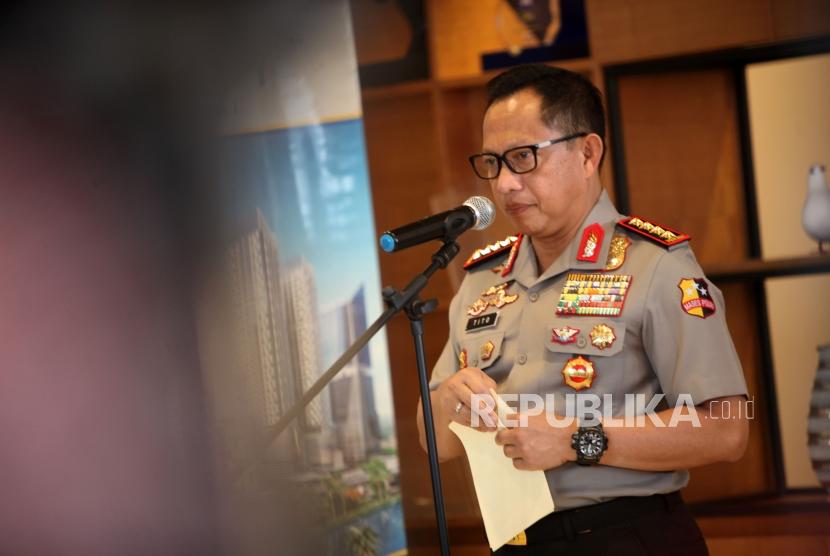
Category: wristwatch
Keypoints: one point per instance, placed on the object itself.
(590, 443)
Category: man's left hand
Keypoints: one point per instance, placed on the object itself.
(537, 445)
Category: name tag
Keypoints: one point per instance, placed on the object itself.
(484, 321)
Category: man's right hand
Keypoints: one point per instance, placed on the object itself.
(464, 389)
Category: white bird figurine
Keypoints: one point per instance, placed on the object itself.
(815, 217)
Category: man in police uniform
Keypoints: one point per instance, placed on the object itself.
(585, 301)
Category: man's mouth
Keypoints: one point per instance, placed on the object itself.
(516, 208)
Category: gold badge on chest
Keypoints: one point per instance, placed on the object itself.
(494, 296)
(602, 336)
(616, 253)
(578, 373)
(462, 359)
(486, 351)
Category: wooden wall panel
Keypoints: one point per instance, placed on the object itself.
(683, 160)
(463, 114)
(797, 18)
(681, 146)
(623, 30)
(753, 473)
(404, 172)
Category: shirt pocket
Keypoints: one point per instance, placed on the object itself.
(483, 350)
(586, 354)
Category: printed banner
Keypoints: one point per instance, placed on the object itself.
(300, 273)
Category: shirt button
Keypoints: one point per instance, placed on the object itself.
(474, 362)
(522, 359)
(533, 296)
(581, 342)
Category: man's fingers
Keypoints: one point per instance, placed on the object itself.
(482, 404)
(460, 392)
(483, 422)
(462, 416)
(477, 420)
(504, 437)
(477, 380)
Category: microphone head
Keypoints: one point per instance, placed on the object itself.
(484, 210)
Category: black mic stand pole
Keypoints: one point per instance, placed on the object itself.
(408, 300)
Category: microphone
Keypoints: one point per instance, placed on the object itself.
(476, 213)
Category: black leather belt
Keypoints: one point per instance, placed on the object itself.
(579, 521)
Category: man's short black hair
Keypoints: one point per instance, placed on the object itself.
(569, 101)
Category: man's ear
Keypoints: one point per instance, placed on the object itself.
(592, 149)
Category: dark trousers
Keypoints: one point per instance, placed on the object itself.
(659, 525)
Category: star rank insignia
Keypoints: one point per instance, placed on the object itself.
(659, 234)
(616, 253)
(593, 294)
(589, 246)
(695, 297)
(578, 373)
(494, 296)
(564, 335)
(487, 252)
(602, 336)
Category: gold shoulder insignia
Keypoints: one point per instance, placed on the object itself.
(489, 251)
(660, 234)
(616, 252)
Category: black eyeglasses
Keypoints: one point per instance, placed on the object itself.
(519, 160)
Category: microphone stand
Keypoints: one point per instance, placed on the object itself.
(409, 301)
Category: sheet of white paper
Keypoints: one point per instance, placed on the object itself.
(510, 499)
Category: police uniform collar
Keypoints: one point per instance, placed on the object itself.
(601, 220)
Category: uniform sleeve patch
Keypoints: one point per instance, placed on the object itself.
(663, 235)
(696, 300)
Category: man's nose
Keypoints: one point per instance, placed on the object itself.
(506, 181)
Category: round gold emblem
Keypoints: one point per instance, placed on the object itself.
(602, 336)
(579, 373)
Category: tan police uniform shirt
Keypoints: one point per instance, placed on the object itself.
(660, 345)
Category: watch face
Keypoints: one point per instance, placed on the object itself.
(590, 443)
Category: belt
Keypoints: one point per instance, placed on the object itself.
(579, 521)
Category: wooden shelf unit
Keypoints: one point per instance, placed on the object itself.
(760, 269)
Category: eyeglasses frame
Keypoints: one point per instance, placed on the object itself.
(534, 148)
